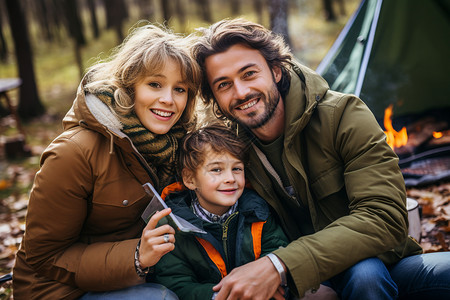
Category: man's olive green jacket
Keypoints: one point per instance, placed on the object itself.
(336, 157)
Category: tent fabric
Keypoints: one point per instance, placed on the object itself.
(394, 52)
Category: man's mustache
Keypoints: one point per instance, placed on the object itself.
(247, 98)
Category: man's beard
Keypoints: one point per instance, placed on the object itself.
(271, 105)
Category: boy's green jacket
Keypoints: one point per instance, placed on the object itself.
(346, 176)
(190, 270)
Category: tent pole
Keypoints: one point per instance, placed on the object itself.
(368, 50)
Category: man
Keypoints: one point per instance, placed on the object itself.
(321, 161)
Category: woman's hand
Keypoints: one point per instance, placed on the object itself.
(153, 243)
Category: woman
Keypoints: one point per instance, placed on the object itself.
(84, 234)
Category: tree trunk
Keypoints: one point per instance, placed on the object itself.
(181, 14)
(116, 14)
(342, 9)
(75, 28)
(278, 10)
(74, 23)
(205, 10)
(3, 54)
(3, 44)
(56, 18)
(146, 9)
(41, 14)
(258, 7)
(167, 13)
(329, 11)
(94, 22)
(235, 7)
(29, 103)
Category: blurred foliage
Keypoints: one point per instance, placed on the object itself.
(57, 73)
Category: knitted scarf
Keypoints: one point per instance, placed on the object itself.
(159, 150)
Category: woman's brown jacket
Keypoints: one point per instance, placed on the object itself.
(84, 214)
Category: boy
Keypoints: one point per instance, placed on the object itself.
(238, 223)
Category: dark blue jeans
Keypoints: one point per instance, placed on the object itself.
(425, 276)
(151, 291)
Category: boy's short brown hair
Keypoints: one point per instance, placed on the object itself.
(217, 136)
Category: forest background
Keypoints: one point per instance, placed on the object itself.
(50, 43)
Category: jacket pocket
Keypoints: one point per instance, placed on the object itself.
(329, 183)
(331, 198)
(122, 192)
(117, 205)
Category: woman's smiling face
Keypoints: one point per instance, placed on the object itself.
(160, 99)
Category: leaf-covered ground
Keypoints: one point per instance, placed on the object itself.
(434, 202)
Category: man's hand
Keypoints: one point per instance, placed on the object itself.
(257, 280)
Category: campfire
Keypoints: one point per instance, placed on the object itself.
(429, 131)
(395, 139)
(423, 146)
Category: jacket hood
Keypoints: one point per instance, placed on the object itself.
(90, 112)
(306, 91)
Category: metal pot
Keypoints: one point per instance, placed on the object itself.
(415, 228)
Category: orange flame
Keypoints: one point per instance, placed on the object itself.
(437, 135)
(394, 138)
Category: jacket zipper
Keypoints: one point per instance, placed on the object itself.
(225, 236)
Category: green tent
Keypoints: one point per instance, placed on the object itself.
(394, 52)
